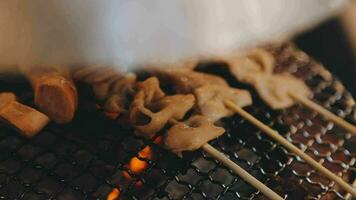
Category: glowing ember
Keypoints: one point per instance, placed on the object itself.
(146, 153)
(158, 140)
(139, 184)
(111, 115)
(126, 175)
(114, 194)
(136, 165)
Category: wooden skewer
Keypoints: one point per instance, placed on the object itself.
(275, 135)
(241, 172)
(321, 110)
(348, 196)
(237, 169)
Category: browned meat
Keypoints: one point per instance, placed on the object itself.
(185, 80)
(209, 90)
(94, 74)
(275, 90)
(110, 86)
(5, 98)
(55, 92)
(99, 77)
(192, 134)
(264, 59)
(151, 109)
(26, 119)
(101, 90)
(120, 94)
(249, 69)
(211, 98)
(257, 70)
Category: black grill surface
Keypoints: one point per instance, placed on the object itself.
(88, 159)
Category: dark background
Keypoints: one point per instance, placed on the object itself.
(329, 45)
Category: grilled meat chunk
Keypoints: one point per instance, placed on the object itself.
(210, 100)
(110, 86)
(257, 70)
(251, 68)
(185, 80)
(120, 94)
(24, 118)
(209, 90)
(55, 92)
(151, 109)
(191, 134)
(275, 90)
(5, 98)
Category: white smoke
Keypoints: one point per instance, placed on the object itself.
(126, 33)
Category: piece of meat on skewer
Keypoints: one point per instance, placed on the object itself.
(99, 77)
(256, 64)
(184, 80)
(209, 90)
(151, 109)
(55, 92)
(256, 69)
(26, 119)
(210, 100)
(110, 86)
(191, 134)
(275, 90)
(120, 94)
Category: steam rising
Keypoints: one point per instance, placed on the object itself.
(129, 33)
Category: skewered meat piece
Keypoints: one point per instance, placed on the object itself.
(275, 90)
(211, 98)
(185, 80)
(26, 119)
(209, 90)
(251, 68)
(151, 109)
(120, 94)
(99, 77)
(191, 134)
(5, 98)
(257, 70)
(109, 85)
(55, 92)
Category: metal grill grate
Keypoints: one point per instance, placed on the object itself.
(88, 158)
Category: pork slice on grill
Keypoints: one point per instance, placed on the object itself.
(209, 90)
(210, 100)
(151, 109)
(256, 69)
(184, 80)
(275, 90)
(248, 69)
(191, 134)
(109, 85)
(120, 94)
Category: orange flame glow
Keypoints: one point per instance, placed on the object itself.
(158, 140)
(136, 165)
(114, 194)
(111, 115)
